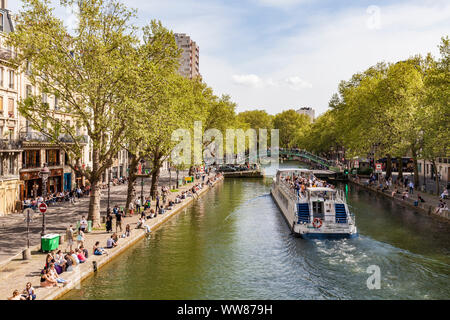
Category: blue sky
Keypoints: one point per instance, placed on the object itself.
(282, 54)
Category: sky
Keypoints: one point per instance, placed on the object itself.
(286, 54)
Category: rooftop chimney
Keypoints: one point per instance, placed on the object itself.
(4, 4)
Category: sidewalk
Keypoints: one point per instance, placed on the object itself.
(17, 272)
(13, 232)
(428, 207)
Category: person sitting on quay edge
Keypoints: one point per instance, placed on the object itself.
(419, 198)
(55, 275)
(111, 243)
(98, 251)
(444, 194)
(80, 256)
(127, 230)
(74, 257)
(85, 251)
(70, 261)
(60, 262)
(47, 280)
(16, 296)
(29, 293)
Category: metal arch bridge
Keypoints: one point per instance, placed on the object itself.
(307, 155)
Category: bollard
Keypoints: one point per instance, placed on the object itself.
(26, 254)
(94, 265)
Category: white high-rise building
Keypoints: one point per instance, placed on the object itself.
(189, 61)
(308, 111)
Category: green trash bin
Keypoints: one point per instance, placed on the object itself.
(50, 242)
(89, 228)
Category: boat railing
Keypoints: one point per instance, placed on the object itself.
(289, 191)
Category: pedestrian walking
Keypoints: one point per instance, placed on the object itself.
(69, 236)
(157, 203)
(411, 187)
(138, 204)
(109, 219)
(119, 221)
(80, 238)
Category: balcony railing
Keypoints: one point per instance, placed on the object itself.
(39, 137)
(30, 165)
(6, 144)
(33, 136)
(7, 54)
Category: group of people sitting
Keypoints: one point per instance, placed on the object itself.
(299, 183)
(52, 198)
(27, 294)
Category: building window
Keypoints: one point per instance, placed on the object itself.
(52, 157)
(1, 22)
(1, 106)
(1, 77)
(11, 107)
(44, 98)
(29, 91)
(31, 159)
(56, 103)
(11, 79)
(11, 165)
(28, 72)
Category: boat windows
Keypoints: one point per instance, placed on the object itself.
(317, 208)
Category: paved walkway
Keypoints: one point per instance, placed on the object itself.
(13, 229)
(15, 273)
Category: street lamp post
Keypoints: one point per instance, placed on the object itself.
(108, 210)
(44, 173)
(142, 182)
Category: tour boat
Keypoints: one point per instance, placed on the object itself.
(315, 213)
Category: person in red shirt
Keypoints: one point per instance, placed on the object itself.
(81, 256)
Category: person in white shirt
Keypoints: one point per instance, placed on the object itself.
(83, 224)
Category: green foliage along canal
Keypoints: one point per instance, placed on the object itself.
(234, 244)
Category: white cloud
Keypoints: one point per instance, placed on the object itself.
(296, 83)
(250, 80)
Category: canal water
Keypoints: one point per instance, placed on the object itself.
(233, 243)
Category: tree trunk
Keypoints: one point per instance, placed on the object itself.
(94, 204)
(388, 166)
(416, 169)
(94, 201)
(131, 180)
(155, 181)
(400, 167)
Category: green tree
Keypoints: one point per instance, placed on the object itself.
(292, 127)
(88, 69)
(157, 61)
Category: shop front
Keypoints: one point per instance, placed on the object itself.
(33, 183)
(55, 181)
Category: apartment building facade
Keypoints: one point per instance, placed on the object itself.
(10, 145)
(189, 61)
